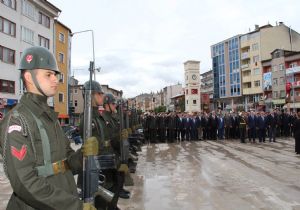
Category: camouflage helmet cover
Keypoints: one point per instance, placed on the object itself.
(38, 58)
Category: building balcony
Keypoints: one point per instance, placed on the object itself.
(245, 55)
(293, 70)
(246, 79)
(253, 90)
(245, 67)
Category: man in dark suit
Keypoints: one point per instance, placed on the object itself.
(204, 125)
(187, 126)
(272, 126)
(213, 124)
(252, 126)
(261, 125)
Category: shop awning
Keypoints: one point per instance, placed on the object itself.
(63, 116)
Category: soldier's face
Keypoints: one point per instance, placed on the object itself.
(47, 80)
(99, 99)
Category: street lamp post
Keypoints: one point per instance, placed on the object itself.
(78, 32)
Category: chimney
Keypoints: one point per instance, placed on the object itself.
(280, 23)
(256, 27)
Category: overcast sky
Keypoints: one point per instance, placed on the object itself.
(141, 45)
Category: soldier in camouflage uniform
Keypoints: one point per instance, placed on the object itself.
(38, 159)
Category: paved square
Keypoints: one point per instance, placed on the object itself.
(225, 175)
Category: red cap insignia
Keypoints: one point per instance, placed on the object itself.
(20, 154)
(29, 58)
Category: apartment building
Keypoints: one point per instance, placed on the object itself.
(63, 57)
(207, 90)
(256, 46)
(281, 79)
(226, 73)
(23, 24)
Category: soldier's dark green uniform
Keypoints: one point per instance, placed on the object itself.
(37, 155)
(31, 190)
(100, 129)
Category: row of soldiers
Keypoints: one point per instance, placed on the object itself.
(38, 159)
(173, 126)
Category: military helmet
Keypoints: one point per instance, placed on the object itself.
(38, 58)
(109, 99)
(95, 87)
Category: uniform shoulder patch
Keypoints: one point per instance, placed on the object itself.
(19, 154)
(14, 128)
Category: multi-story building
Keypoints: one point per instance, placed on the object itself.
(257, 46)
(63, 57)
(237, 64)
(207, 90)
(192, 86)
(77, 100)
(281, 78)
(22, 24)
(226, 73)
(168, 93)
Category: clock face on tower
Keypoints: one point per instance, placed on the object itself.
(194, 77)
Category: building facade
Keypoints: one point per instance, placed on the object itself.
(226, 73)
(192, 86)
(207, 90)
(23, 24)
(63, 57)
(257, 46)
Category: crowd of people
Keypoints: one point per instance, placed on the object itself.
(257, 126)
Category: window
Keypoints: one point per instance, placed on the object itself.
(255, 47)
(256, 71)
(187, 101)
(281, 67)
(9, 3)
(7, 27)
(282, 94)
(275, 81)
(257, 83)
(60, 57)
(275, 68)
(44, 20)
(61, 37)
(275, 94)
(27, 35)
(75, 91)
(7, 55)
(255, 59)
(194, 101)
(28, 9)
(186, 91)
(75, 103)
(43, 42)
(7, 86)
(60, 97)
(294, 64)
(61, 78)
(281, 81)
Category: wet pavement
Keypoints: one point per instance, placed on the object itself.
(223, 175)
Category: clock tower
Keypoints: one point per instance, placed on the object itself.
(192, 86)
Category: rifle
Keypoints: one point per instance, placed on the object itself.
(91, 184)
(123, 138)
